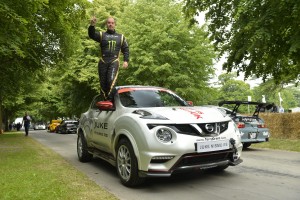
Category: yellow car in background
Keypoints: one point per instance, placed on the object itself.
(54, 124)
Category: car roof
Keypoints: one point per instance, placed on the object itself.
(127, 88)
(70, 121)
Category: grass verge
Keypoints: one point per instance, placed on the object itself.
(280, 144)
(30, 171)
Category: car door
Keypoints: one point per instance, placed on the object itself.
(103, 127)
(60, 127)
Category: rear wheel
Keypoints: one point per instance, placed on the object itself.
(246, 145)
(127, 166)
(82, 152)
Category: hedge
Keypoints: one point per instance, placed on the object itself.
(282, 125)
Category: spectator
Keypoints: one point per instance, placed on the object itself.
(18, 126)
(26, 123)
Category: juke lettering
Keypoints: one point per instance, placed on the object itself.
(101, 125)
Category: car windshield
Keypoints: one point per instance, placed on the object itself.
(150, 98)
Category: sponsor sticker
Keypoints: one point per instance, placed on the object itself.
(194, 112)
(252, 135)
(248, 119)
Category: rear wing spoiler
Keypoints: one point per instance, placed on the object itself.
(259, 106)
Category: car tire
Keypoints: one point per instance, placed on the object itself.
(127, 165)
(246, 145)
(82, 152)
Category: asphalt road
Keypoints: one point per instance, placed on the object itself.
(264, 175)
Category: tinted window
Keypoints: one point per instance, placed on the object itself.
(150, 98)
(70, 123)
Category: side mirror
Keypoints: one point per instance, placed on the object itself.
(105, 105)
(190, 103)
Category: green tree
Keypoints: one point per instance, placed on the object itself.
(165, 51)
(33, 35)
(77, 79)
(296, 93)
(181, 57)
(234, 90)
(261, 38)
(271, 90)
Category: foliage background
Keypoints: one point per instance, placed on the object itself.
(259, 38)
(49, 65)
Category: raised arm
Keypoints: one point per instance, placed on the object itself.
(93, 34)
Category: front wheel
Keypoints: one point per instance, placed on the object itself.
(82, 152)
(127, 166)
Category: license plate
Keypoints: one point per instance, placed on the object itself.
(207, 146)
(252, 135)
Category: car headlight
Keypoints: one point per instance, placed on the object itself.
(164, 135)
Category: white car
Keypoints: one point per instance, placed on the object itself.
(39, 126)
(149, 131)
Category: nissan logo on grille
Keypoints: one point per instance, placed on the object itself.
(209, 128)
(213, 128)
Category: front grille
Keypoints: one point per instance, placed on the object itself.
(186, 129)
(203, 158)
(208, 129)
(214, 128)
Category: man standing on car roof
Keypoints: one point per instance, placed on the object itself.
(111, 44)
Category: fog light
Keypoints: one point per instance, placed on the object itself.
(161, 159)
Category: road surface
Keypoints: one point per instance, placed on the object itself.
(265, 175)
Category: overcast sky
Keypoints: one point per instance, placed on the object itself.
(218, 65)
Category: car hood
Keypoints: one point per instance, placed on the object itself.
(188, 114)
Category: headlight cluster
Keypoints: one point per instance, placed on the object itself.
(164, 135)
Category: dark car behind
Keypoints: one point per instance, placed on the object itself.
(67, 126)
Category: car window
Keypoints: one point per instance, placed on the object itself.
(150, 98)
(72, 122)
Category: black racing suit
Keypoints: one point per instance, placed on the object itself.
(111, 44)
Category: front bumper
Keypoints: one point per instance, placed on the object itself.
(72, 131)
(254, 136)
(196, 161)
